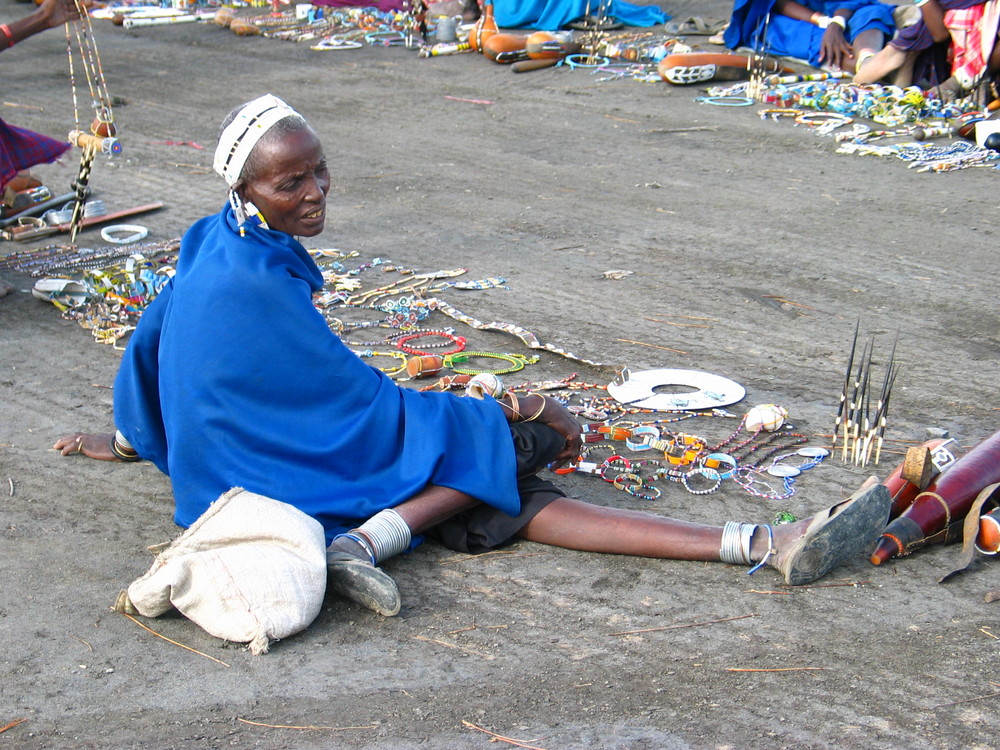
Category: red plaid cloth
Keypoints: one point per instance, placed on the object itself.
(973, 34)
(22, 149)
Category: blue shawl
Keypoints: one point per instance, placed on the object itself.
(787, 37)
(233, 379)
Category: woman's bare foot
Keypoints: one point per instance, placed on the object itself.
(875, 67)
(950, 90)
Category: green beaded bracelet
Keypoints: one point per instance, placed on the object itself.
(515, 361)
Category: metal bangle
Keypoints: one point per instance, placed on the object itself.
(726, 101)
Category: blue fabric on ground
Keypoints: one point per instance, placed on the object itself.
(234, 379)
(555, 14)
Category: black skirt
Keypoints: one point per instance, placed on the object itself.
(484, 528)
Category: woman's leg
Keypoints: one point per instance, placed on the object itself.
(352, 558)
(877, 67)
(802, 551)
(578, 525)
(433, 505)
(865, 44)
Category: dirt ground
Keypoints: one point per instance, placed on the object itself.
(775, 245)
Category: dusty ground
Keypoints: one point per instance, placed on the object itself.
(558, 180)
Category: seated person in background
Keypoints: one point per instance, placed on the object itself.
(951, 50)
(825, 34)
(233, 378)
(22, 149)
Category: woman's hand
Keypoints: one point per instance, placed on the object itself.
(560, 419)
(95, 446)
(834, 49)
(58, 12)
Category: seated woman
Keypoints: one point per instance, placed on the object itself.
(234, 379)
(824, 34)
(950, 51)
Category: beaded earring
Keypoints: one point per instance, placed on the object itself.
(246, 213)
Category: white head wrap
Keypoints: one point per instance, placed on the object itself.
(242, 134)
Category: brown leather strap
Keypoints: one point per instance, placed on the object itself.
(971, 531)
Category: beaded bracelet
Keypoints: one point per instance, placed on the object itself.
(704, 471)
(716, 461)
(609, 463)
(593, 448)
(641, 467)
(684, 449)
(585, 61)
(634, 489)
(457, 341)
(642, 431)
(8, 35)
(619, 481)
(595, 432)
(673, 474)
(651, 493)
(814, 119)
(515, 362)
(389, 339)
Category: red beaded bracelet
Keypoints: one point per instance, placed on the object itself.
(7, 34)
(458, 341)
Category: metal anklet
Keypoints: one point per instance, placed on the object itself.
(770, 550)
(735, 545)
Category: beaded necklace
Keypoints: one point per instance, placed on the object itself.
(403, 342)
(515, 362)
(390, 371)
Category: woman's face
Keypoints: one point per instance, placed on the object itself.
(291, 185)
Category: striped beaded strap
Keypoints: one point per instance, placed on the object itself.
(526, 336)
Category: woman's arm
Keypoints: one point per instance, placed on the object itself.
(48, 15)
(537, 408)
(933, 15)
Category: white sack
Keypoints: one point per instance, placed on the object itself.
(249, 570)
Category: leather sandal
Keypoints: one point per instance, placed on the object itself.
(836, 535)
(361, 582)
